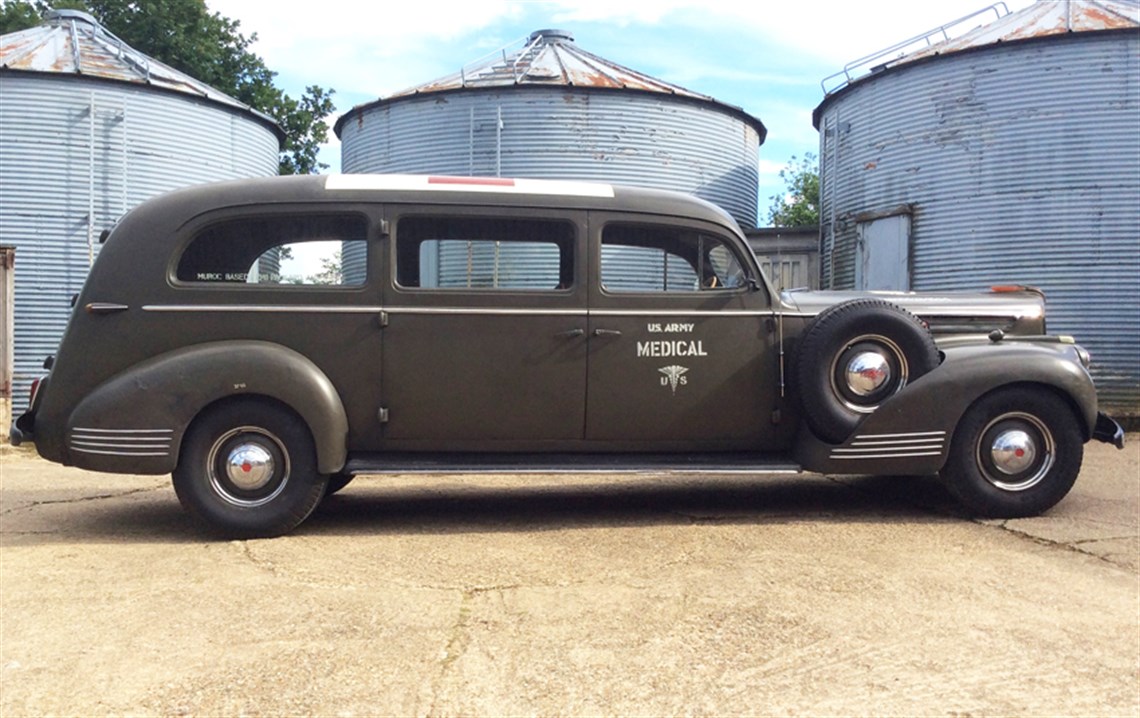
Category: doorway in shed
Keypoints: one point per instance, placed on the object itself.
(882, 253)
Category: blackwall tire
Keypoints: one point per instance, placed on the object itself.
(1016, 452)
(248, 469)
(852, 358)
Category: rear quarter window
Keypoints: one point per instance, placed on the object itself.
(278, 251)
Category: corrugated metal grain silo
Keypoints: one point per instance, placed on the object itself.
(1008, 154)
(90, 128)
(551, 110)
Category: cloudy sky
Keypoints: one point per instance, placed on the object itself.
(766, 57)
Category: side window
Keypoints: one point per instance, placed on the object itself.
(309, 249)
(638, 258)
(484, 253)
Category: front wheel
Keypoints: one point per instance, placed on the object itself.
(1016, 453)
(248, 469)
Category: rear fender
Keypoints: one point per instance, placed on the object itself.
(134, 422)
(911, 432)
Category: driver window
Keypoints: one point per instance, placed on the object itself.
(637, 258)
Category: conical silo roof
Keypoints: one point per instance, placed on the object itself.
(71, 42)
(1041, 19)
(551, 58)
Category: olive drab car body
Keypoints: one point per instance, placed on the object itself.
(460, 324)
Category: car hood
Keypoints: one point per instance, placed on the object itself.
(1016, 310)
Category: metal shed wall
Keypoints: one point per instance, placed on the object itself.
(75, 155)
(635, 138)
(1018, 163)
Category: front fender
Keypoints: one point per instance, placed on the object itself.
(911, 432)
(134, 422)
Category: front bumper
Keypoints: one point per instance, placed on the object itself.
(1108, 430)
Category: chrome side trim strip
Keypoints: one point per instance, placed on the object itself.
(121, 442)
(122, 431)
(887, 456)
(892, 446)
(78, 446)
(119, 453)
(896, 442)
(483, 311)
(915, 434)
(284, 308)
(683, 312)
(888, 449)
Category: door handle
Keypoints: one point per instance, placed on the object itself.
(105, 308)
(570, 333)
(607, 333)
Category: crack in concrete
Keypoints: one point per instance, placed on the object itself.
(1106, 538)
(459, 637)
(265, 565)
(1073, 546)
(82, 499)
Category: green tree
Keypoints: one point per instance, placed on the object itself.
(332, 271)
(209, 47)
(798, 205)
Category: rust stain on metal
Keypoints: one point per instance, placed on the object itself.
(549, 61)
(72, 42)
(1042, 19)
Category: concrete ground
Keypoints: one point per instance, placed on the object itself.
(462, 595)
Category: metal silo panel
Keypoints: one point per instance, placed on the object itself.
(640, 139)
(1020, 163)
(74, 148)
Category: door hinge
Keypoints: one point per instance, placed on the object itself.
(382, 415)
(383, 319)
(776, 416)
(383, 228)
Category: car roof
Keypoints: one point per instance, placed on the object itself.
(430, 189)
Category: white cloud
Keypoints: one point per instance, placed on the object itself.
(377, 49)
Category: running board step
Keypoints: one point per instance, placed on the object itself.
(409, 463)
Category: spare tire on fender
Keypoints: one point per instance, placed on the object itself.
(852, 358)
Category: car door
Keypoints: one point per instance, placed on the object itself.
(485, 341)
(681, 338)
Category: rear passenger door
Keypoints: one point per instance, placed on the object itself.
(485, 343)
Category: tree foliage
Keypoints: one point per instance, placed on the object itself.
(798, 205)
(209, 47)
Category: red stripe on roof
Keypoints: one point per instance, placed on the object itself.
(493, 181)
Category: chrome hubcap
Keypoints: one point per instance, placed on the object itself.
(1016, 451)
(1013, 451)
(866, 372)
(869, 370)
(249, 466)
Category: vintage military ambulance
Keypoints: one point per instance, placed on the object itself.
(530, 326)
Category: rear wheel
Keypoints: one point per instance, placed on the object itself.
(1016, 453)
(248, 469)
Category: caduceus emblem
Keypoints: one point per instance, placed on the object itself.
(673, 376)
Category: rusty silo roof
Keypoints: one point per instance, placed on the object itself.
(1042, 19)
(71, 42)
(550, 58)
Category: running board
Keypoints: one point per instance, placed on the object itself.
(408, 463)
